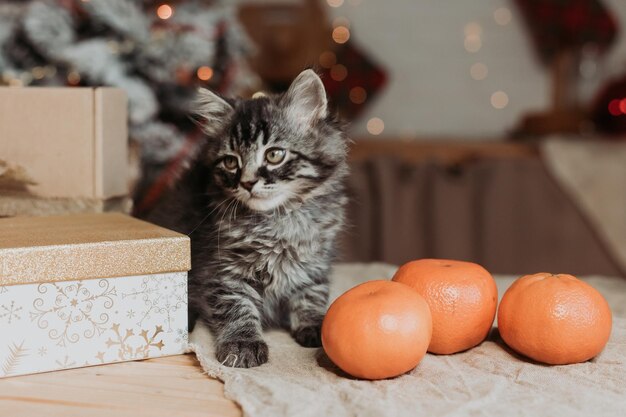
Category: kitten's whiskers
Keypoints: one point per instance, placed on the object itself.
(219, 227)
(207, 216)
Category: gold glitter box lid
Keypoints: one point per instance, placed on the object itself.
(87, 246)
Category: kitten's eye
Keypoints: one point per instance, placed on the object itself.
(230, 162)
(275, 155)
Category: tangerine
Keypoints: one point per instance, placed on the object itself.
(376, 330)
(554, 319)
(462, 297)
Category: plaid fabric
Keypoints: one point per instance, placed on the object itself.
(361, 72)
(561, 24)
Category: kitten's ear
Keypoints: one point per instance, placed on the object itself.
(305, 101)
(213, 111)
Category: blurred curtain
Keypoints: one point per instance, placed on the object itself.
(504, 213)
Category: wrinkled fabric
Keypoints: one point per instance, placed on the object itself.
(593, 174)
(489, 380)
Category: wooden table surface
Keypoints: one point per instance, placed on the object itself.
(169, 386)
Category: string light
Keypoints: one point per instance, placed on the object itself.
(472, 43)
(338, 72)
(165, 11)
(502, 16)
(478, 71)
(375, 126)
(341, 34)
(499, 100)
(335, 3)
(358, 95)
(73, 77)
(327, 59)
(614, 108)
(204, 73)
(38, 72)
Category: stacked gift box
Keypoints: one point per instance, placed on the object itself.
(63, 150)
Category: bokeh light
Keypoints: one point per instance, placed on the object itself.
(204, 73)
(502, 16)
(341, 34)
(338, 72)
(327, 59)
(479, 71)
(165, 11)
(335, 3)
(358, 95)
(375, 126)
(472, 43)
(614, 109)
(73, 78)
(499, 100)
(38, 72)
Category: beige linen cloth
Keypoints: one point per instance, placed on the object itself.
(488, 380)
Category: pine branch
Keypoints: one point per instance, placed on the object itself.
(16, 353)
(123, 16)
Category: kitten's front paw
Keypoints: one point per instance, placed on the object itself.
(242, 354)
(310, 336)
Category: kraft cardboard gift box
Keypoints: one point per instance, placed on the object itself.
(63, 149)
(89, 289)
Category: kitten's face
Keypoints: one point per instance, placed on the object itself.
(258, 164)
(274, 150)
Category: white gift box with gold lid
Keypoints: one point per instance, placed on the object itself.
(89, 289)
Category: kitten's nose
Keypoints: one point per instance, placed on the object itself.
(248, 184)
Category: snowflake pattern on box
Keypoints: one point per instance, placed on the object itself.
(160, 297)
(70, 324)
(10, 311)
(74, 309)
(130, 344)
(16, 351)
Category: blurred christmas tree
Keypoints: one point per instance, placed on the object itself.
(159, 53)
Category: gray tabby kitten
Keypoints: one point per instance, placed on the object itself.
(262, 202)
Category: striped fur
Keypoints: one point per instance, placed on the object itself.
(261, 258)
